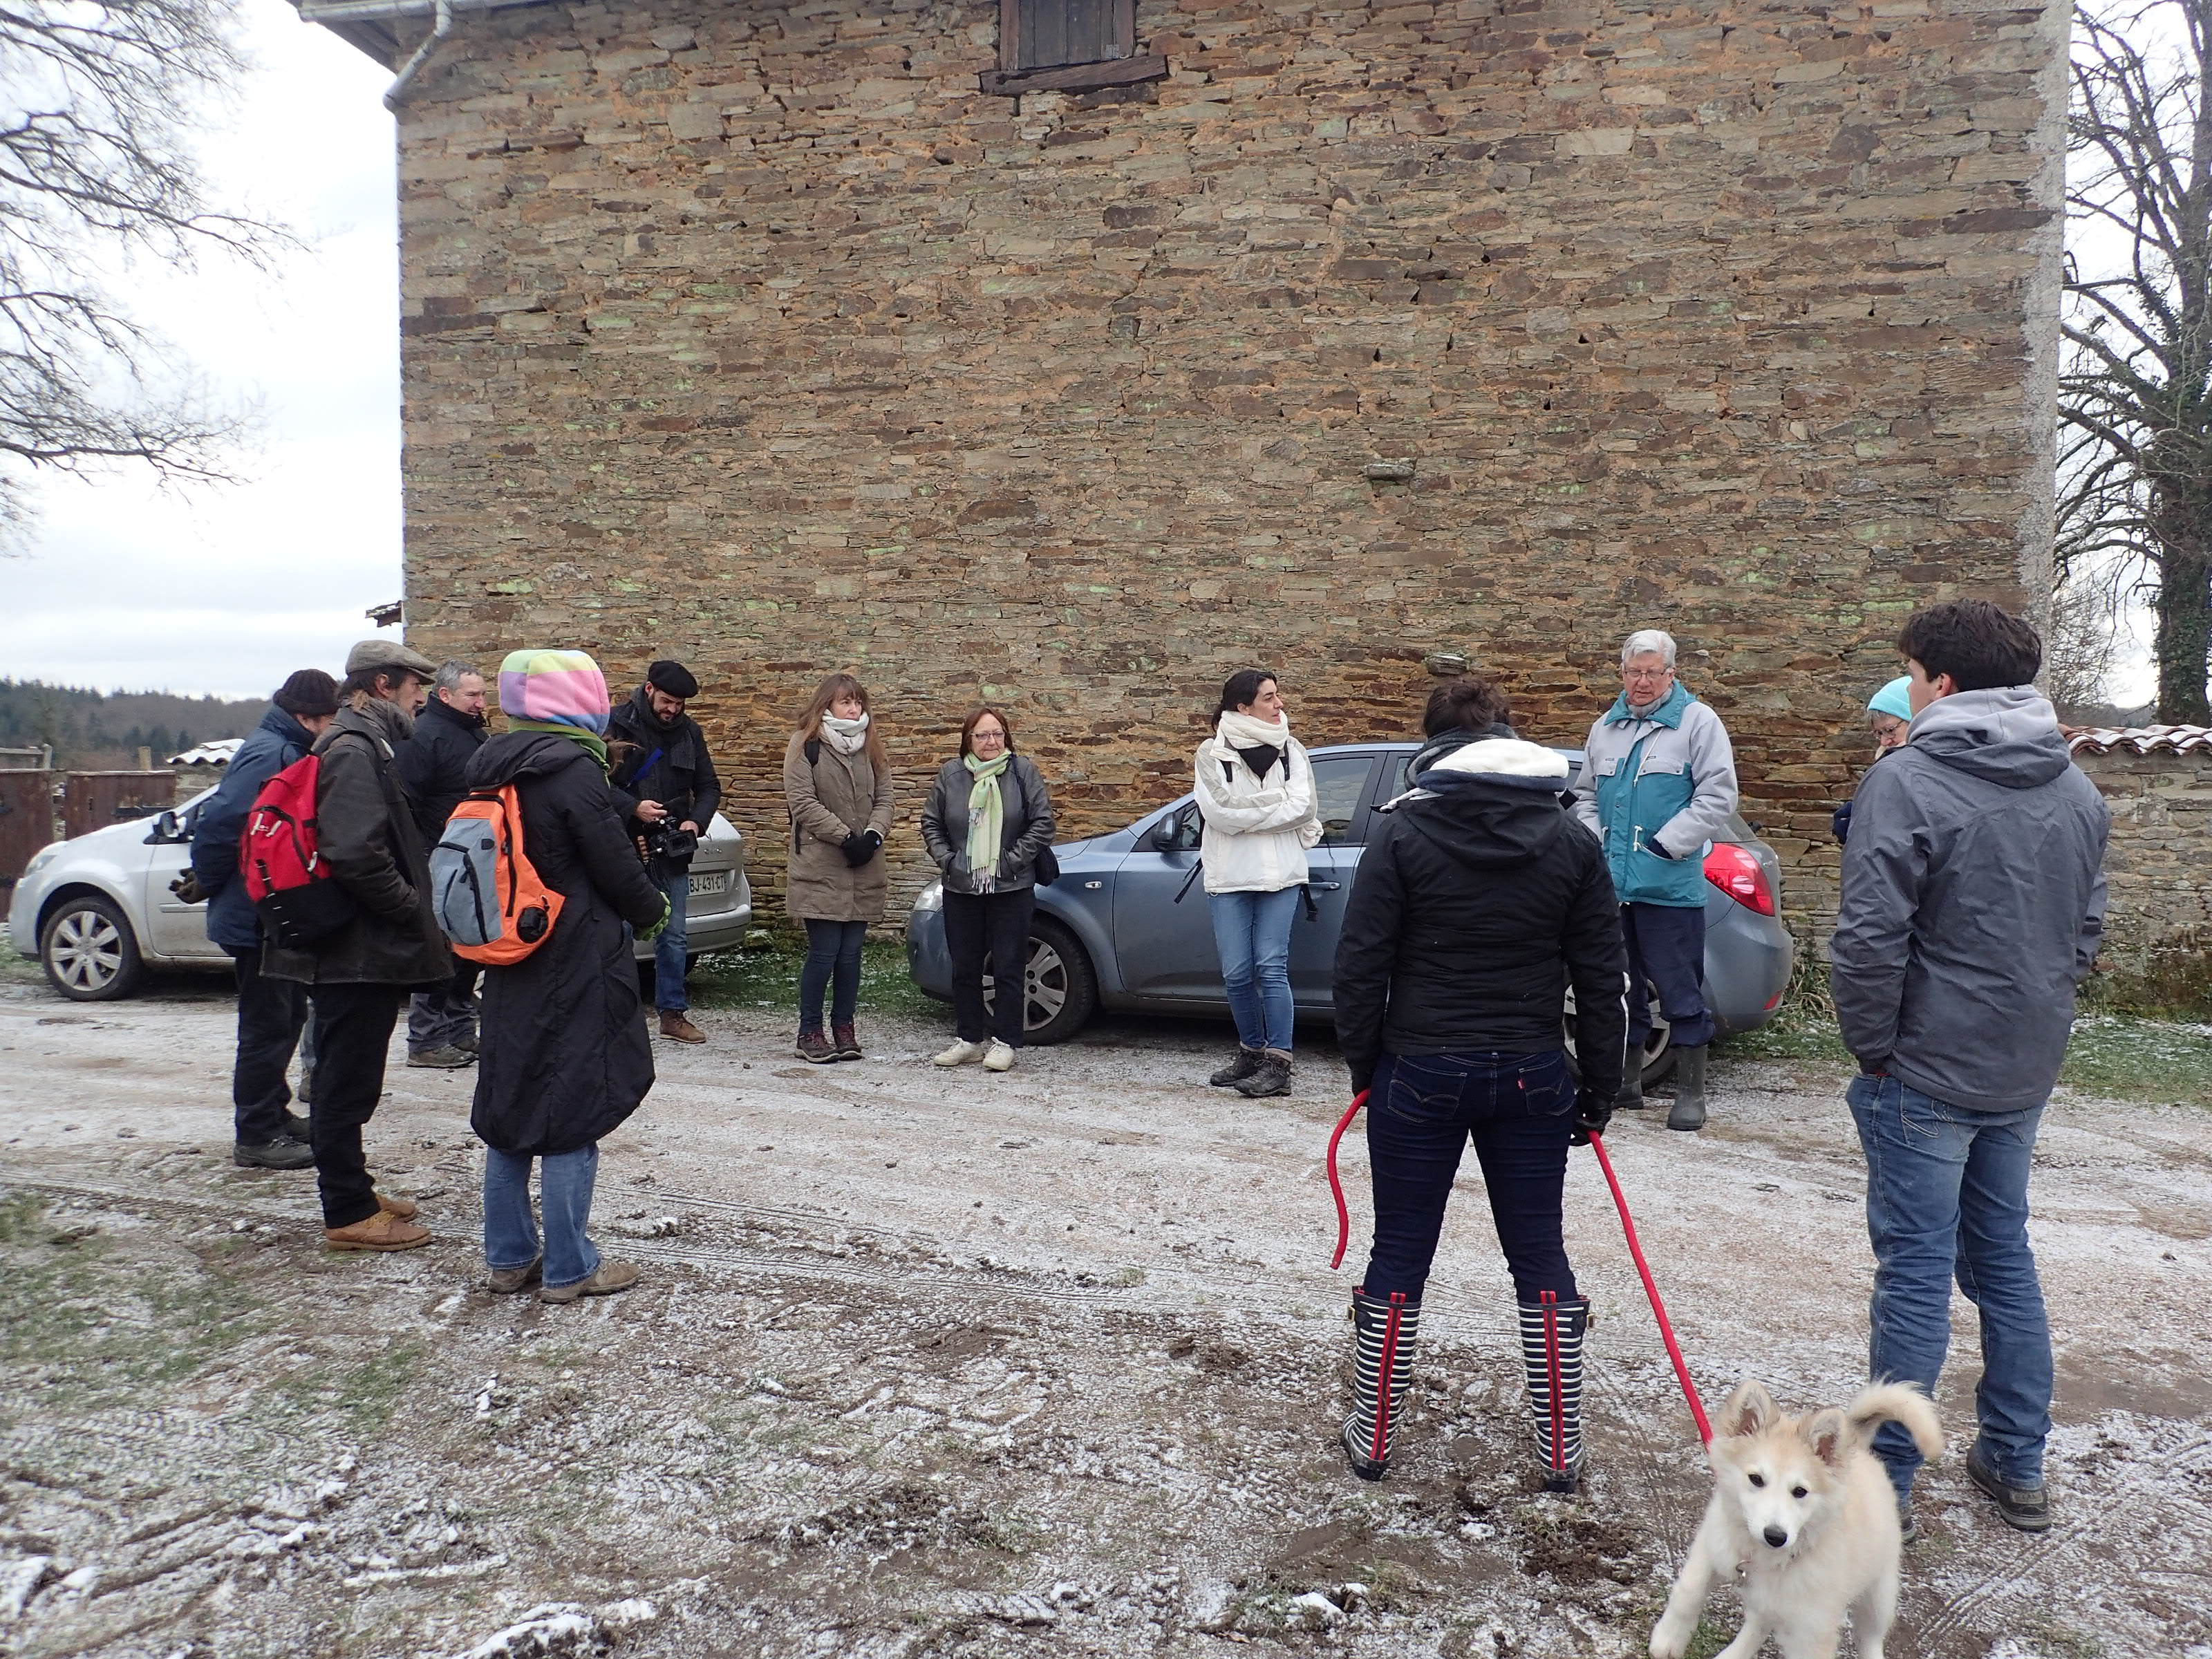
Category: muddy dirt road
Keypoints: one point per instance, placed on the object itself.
(931, 1363)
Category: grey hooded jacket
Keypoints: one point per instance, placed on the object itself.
(1973, 901)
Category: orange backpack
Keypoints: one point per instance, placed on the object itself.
(490, 900)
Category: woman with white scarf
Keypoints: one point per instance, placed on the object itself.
(1255, 792)
(838, 783)
(989, 816)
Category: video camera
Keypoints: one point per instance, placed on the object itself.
(669, 842)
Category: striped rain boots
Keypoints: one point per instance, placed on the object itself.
(1383, 1335)
(1552, 1350)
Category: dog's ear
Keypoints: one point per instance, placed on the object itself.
(1829, 1434)
(1750, 1410)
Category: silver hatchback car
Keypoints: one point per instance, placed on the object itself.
(96, 913)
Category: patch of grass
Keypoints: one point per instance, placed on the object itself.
(20, 969)
(21, 1218)
(2132, 1059)
(765, 975)
(82, 1333)
(1800, 1030)
(2119, 1056)
(1708, 1639)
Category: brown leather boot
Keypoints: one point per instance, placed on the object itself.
(402, 1208)
(846, 1042)
(814, 1049)
(381, 1232)
(681, 1029)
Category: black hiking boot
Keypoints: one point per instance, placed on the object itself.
(282, 1153)
(1630, 1096)
(1551, 1354)
(1689, 1108)
(1270, 1077)
(1383, 1338)
(2026, 1508)
(1240, 1067)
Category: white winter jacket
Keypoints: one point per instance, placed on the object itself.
(1256, 833)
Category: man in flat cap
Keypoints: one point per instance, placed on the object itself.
(665, 778)
(360, 972)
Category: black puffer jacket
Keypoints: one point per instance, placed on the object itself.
(365, 827)
(1479, 900)
(564, 1056)
(434, 761)
(670, 764)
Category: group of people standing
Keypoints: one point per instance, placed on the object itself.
(1490, 890)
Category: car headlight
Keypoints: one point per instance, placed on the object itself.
(40, 859)
(931, 897)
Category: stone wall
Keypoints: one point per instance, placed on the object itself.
(2158, 934)
(754, 335)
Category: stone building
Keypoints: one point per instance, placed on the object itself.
(2158, 932)
(789, 335)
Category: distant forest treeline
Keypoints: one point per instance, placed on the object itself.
(98, 730)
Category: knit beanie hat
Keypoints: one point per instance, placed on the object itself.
(555, 688)
(673, 677)
(309, 691)
(1893, 699)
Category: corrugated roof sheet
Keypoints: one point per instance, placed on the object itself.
(2138, 739)
(217, 753)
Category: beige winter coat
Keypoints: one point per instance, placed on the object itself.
(830, 798)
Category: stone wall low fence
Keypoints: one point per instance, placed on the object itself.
(2158, 933)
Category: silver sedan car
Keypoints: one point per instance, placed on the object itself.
(96, 913)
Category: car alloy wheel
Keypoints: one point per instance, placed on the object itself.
(1060, 993)
(89, 953)
(1658, 1050)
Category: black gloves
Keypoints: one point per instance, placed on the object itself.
(1651, 846)
(1840, 823)
(861, 846)
(1593, 1111)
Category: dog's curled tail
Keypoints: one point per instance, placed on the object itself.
(1902, 1403)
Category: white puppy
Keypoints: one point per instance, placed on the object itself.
(1804, 1518)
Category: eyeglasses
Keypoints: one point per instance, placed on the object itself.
(1645, 673)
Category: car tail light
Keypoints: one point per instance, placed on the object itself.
(1741, 877)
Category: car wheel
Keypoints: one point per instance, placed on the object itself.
(1658, 1045)
(88, 950)
(1061, 989)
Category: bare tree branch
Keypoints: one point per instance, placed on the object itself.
(2134, 468)
(96, 100)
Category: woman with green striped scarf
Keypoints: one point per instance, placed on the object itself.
(989, 816)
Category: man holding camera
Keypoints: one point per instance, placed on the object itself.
(665, 781)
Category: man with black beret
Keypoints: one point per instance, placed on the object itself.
(665, 779)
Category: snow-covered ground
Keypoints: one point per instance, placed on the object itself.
(943, 1364)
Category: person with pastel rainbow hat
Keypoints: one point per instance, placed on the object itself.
(564, 1058)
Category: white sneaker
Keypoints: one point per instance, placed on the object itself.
(1000, 1059)
(960, 1053)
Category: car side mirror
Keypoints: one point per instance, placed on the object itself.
(166, 829)
(1167, 834)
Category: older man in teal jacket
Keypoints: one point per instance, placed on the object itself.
(1657, 784)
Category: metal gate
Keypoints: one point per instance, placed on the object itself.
(26, 819)
(93, 800)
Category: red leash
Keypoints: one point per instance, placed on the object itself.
(1651, 1290)
(1627, 1226)
(1336, 1187)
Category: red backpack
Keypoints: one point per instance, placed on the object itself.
(282, 865)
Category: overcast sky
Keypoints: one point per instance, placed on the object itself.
(229, 589)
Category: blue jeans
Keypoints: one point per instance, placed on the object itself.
(668, 994)
(1947, 1193)
(833, 954)
(564, 1182)
(1252, 933)
(1422, 1110)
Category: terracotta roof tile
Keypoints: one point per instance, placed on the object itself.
(2138, 739)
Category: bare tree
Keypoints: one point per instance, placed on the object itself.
(2135, 393)
(96, 100)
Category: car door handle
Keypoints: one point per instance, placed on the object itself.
(1325, 886)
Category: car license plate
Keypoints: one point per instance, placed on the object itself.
(710, 881)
